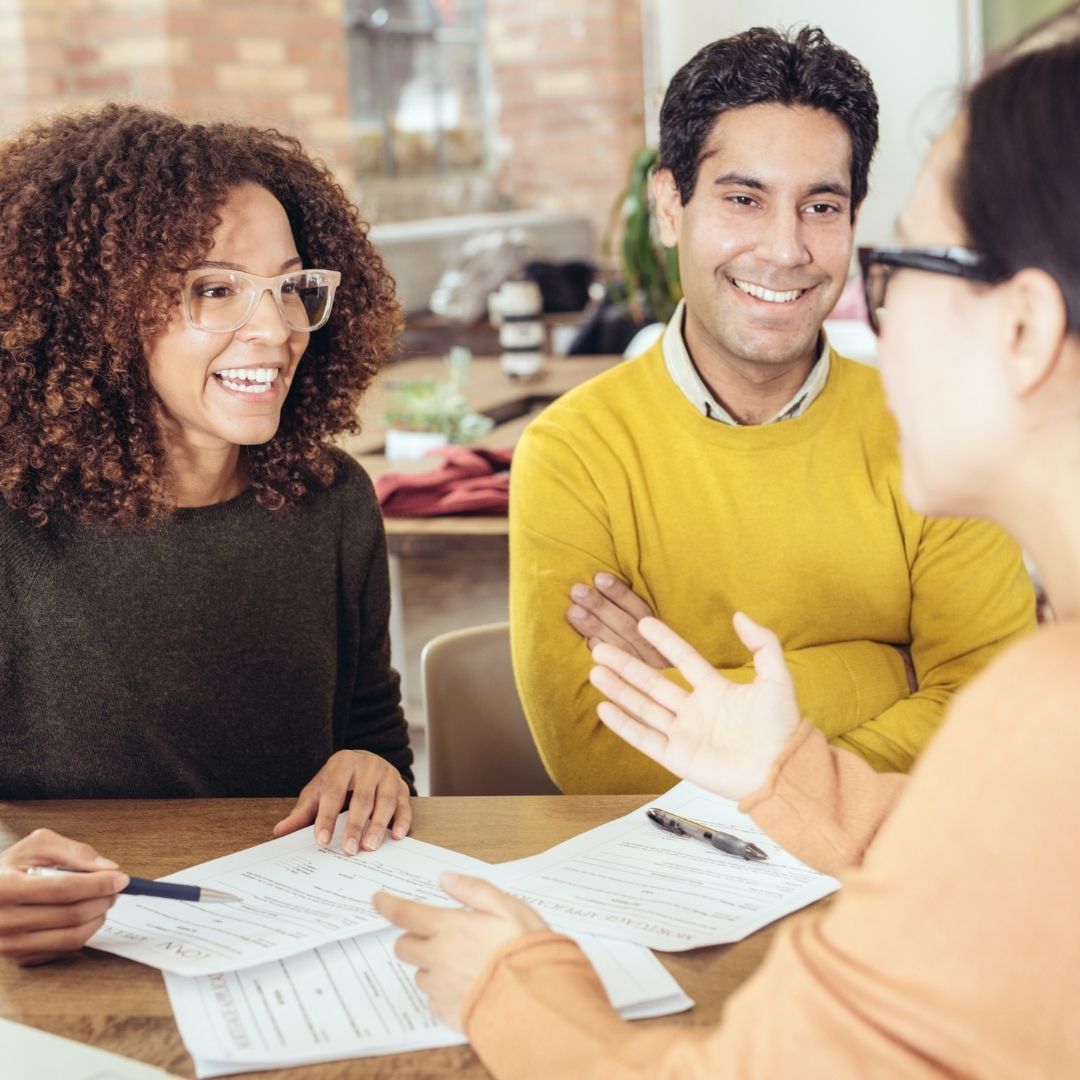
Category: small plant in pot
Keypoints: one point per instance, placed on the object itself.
(425, 414)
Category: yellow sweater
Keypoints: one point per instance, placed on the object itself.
(801, 524)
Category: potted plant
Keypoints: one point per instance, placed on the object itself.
(649, 272)
(643, 276)
(425, 414)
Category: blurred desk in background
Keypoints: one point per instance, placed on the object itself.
(447, 573)
(511, 403)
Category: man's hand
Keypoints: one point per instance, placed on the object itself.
(379, 796)
(451, 947)
(723, 736)
(42, 918)
(610, 613)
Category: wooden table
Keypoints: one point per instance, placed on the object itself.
(122, 1006)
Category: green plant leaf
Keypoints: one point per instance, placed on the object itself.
(649, 271)
(432, 405)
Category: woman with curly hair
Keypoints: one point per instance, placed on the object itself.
(194, 593)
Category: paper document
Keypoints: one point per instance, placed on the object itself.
(354, 998)
(630, 880)
(295, 894)
(29, 1054)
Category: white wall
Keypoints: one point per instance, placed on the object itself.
(917, 52)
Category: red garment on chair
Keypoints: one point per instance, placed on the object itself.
(467, 482)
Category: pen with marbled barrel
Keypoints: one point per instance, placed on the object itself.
(722, 841)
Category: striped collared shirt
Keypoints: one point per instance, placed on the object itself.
(685, 375)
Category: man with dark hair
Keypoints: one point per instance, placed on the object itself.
(741, 464)
(764, 67)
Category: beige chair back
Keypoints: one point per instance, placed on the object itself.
(479, 742)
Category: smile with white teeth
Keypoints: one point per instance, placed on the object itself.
(767, 294)
(248, 380)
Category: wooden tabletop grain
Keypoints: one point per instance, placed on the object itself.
(122, 1006)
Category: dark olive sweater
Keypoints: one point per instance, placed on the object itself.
(227, 652)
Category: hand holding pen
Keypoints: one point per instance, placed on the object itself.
(55, 892)
(43, 917)
(139, 886)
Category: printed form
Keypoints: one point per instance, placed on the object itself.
(354, 998)
(628, 880)
(631, 880)
(294, 895)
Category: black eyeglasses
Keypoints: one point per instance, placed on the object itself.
(879, 263)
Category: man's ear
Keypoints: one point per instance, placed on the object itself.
(668, 206)
(1036, 322)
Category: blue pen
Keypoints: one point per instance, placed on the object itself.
(164, 890)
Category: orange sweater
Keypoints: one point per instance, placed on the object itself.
(953, 948)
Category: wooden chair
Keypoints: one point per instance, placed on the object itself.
(479, 742)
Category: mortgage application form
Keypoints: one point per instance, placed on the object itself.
(294, 896)
(629, 879)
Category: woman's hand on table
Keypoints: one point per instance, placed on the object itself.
(450, 947)
(379, 797)
(721, 735)
(42, 918)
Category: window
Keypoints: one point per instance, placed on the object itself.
(416, 84)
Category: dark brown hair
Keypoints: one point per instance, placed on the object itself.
(100, 215)
(764, 67)
(1017, 185)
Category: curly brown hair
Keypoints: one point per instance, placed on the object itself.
(100, 216)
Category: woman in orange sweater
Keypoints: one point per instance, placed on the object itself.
(954, 946)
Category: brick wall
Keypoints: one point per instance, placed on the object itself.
(568, 79)
(271, 62)
(566, 75)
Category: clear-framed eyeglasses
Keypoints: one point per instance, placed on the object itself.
(220, 301)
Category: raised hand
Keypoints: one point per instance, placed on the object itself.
(609, 611)
(721, 735)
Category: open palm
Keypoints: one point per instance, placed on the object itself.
(721, 735)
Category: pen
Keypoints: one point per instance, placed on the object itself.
(722, 841)
(137, 886)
